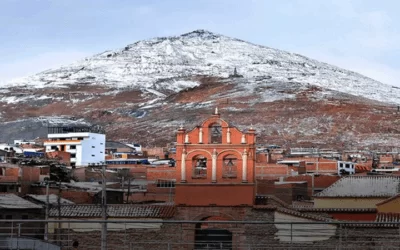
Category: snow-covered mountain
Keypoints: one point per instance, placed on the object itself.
(143, 92)
(159, 64)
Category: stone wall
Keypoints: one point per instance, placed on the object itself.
(244, 236)
(125, 239)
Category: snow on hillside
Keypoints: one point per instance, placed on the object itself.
(164, 63)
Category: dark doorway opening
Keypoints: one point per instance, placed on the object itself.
(213, 238)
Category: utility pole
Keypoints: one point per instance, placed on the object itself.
(59, 210)
(312, 184)
(46, 230)
(129, 190)
(104, 210)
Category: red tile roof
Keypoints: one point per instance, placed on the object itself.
(344, 210)
(388, 217)
(115, 211)
(292, 212)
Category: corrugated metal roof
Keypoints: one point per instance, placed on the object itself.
(12, 201)
(115, 211)
(53, 199)
(363, 186)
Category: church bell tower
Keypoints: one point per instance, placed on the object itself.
(215, 165)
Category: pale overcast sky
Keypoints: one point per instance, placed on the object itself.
(361, 35)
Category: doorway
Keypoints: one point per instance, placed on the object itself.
(213, 238)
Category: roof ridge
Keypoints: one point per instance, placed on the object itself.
(300, 214)
(389, 199)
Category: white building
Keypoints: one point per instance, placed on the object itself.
(84, 146)
(9, 148)
(20, 142)
(345, 167)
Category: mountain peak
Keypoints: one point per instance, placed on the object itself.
(201, 33)
(151, 64)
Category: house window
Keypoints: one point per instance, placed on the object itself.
(80, 138)
(229, 169)
(215, 133)
(93, 146)
(73, 155)
(199, 167)
(54, 147)
(72, 147)
(8, 217)
(25, 217)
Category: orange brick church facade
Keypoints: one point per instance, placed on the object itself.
(215, 165)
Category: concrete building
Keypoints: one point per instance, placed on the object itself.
(84, 146)
(346, 168)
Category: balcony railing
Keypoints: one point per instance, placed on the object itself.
(61, 141)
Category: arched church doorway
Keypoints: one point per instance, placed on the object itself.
(212, 236)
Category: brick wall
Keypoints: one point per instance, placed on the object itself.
(127, 239)
(78, 197)
(290, 192)
(161, 173)
(206, 194)
(320, 181)
(30, 174)
(265, 187)
(268, 171)
(156, 151)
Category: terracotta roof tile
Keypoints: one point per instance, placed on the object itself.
(292, 212)
(115, 211)
(303, 215)
(347, 210)
(388, 217)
